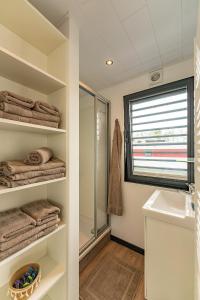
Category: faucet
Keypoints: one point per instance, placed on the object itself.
(191, 188)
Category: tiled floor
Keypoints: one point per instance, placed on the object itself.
(131, 261)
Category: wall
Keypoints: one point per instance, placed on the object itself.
(130, 227)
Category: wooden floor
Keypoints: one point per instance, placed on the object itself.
(130, 257)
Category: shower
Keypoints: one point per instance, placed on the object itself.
(94, 165)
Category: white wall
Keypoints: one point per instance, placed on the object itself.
(130, 227)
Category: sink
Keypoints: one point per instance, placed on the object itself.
(172, 207)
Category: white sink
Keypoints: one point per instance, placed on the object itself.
(172, 207)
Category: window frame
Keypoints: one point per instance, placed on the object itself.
(138, 96)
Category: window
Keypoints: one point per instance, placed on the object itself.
(159, 135)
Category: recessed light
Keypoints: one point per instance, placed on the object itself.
(109, 62)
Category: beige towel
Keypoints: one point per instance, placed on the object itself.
(115, 201)
(18, 118)
(11, 167)
(32, 174)
(39, 156)
(27, 242)
(15, 99)
(13, 223)
(22, 237)
(28, 113)
(17, 247)
(6, 181)
(46, 108)
(41, 210)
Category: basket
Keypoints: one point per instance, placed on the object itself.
(24, 293)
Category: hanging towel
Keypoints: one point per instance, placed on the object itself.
(115, 201)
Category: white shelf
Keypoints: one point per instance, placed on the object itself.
(6, 124)
(33, 27)
(24, 250)
(51, 274)
(25, 73)
(5, 190)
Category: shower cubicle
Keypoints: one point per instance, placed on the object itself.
(94, 165)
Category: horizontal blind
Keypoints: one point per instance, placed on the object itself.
(158, 127)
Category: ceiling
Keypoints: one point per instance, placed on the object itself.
(139, 35)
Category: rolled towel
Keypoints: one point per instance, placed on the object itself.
(6, 181)
(13, 223)
(15, 99)
(12, 167)
(27, 113)
(18, 118)
(46, 108)
(39, 156)
(41, 210)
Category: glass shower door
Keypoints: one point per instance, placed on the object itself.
(101, 164)
(86, 167)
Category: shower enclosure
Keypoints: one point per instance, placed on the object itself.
(94, 165)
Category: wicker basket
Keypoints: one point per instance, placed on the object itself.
(25, 293)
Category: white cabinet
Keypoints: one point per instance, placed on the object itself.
(169, 248)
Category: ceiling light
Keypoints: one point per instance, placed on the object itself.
(109, 62)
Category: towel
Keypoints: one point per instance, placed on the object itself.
(115, 201)
(41, 210)
(18, 247)
(6, 181)
(18, 118)
(28, 113)
(27, 242)
(15, 99)
(39, 156)
(13, 223)
(32, 174)
(11, 167)
(38, 230)
(46, 108)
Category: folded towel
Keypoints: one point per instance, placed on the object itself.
(41, 210)
(38, 230)
(13, 223)
(17, 247)
(46, 108)
(15, 99)
(6, 181)
(39, 156)
(18, 118)
(28, 113)
(11, 167)
(32, 174)
(25, 243)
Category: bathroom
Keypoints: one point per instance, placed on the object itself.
(99, 152)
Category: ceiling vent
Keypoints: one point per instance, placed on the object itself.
(156, 77)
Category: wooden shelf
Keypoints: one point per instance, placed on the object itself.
(25, 73)
(24, 250)
(5, 190)
(33, 27)
(51, 274)
(6, 124)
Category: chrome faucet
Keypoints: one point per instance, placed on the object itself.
(191, 188)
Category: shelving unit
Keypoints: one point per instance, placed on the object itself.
(27, 127)
(34, 64)
(5, 190)
(52, 272)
